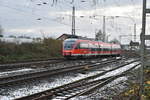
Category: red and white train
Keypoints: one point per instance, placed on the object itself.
(73, 48)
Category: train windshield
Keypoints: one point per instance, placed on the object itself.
(68, 45)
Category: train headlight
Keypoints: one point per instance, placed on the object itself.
(67, 53)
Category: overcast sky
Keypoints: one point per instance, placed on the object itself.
(38, 18)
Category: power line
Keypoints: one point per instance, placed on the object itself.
(21, 11)
(120, 6)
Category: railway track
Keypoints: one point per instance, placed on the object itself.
(20, 68)
(97, 84)
(31, 60)
(39, 64)
(29, 63)
(79, 87)
(4, 81)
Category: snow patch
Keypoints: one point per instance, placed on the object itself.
(117, 71)
(5, 98)
(15, 71)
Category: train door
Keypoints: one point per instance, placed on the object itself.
(101, 49)
(84, 48)
(111, 49)
(96, 49)
(77, 49)
(90, 49)
(93, 49)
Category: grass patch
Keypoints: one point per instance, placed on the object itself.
(133, 92)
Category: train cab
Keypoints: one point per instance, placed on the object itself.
(68, 47)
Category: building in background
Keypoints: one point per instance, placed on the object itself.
(66, 36)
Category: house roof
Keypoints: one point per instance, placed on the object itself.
(68, 35)
(75, 36)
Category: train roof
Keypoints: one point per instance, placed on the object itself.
(71, 39)
(75, 39)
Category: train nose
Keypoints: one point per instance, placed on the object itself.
(67, 52)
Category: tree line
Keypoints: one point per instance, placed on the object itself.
(47, 48)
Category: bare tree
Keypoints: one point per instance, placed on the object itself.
(100, 36)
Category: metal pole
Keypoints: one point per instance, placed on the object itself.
(73, 20)
(104, 31)
(120, 38)
(142, 49)
(134, 32)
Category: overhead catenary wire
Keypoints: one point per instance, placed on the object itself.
(28, 7)
(117, 4)
(65, 6)
(33, 15)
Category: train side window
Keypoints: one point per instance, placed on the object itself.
(100, 49)
(106, 49)
(84, 45)
(92, 46)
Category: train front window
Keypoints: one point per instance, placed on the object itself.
(68, 45)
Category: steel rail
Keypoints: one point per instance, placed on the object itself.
(31, 60)
(28, 76)
(22, 64)
(101, 84)
(67, 87)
